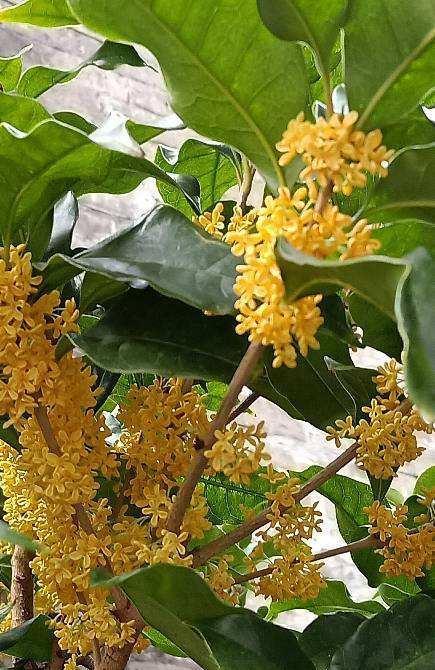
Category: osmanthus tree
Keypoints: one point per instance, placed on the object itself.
(137, 508)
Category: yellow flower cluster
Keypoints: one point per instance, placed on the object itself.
(293, 573)
(386, 440)
(238, 451)
(406, 552)
(264, 311)
(333, 150)
(218, 576)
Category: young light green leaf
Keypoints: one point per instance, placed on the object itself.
(425, 482)
(208, 163)
(316, 24)
(375, 278)
(37, 80)
(334, 598)
(10, 71)
(390, 52)
(230, 79)
(402, 637)
(45, 13)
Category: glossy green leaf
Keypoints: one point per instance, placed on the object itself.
(65, 217)
(411, 130)
(45, 13)
(391, 593)
(401, 237)
(53, 159)
(218, 53)
(326, 634)
(21, 113)
(37, 80)
(10, 72)
(333, 598)
(179, 604)
(390, 51)
(316, 24)
(212, 167)
(400, 638)
(415, 310)
(379, 331)
(161, 642)
(98, 290)
(33, 640)
(147, 332)
(166, 250)
(409, 190)
(425, 482)
(375, 278)
(226, 500)
(357, 381)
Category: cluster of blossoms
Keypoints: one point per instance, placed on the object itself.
(335, 151)
(406, 552)
(264, 311)
(387, 439)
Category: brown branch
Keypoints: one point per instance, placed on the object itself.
(203, 554)
(21, 587)
(244, 405)
(323, 197)
(365, 543)
(241, 376)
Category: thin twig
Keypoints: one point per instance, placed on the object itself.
(240, 378)
(323, 197)
(244, 405)
(248, 178)
(365, 543)
(203, 554)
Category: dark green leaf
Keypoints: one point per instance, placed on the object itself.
(333, 598)
(375, 278)
(65, 217)
(33, 640)
(409, 190)
(336, 319)
(97, 290)
(415, 311)
(230, 79)
(326, 634)
(391, 593)
(402, 637)
(169, 252)
(225, 498)
(34, 179)
(147, 332)
(379, 331)
(390, 53)
(316, 24)
(179, 604)
(357, 381)
(213, 169)
(5, 571)
(379, 486)
(415, 128)
(9, 435)
(76, 121)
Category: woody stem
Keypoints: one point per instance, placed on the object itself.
(21, 587)
(366, 543)
(240, 378)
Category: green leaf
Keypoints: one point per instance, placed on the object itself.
(425, 482)
(178, 603)
(409, 190)
(333, 598)
(336, 319)
(33, 640)
(7, 534)
(415, 128)
(9, 435)
(161, 642)
(213, 169)
(415, 311)
(402, 637)
(391, 593)
(65, 217)
(10, 71)
(401, 237)
(326, 634)
(37, 80)
(225, 498)
(379, 331)
(316, 24)
(49, 13)
(168, 251)
(147, 332)
(21, 113)
(375, 278)
(97, 290)
(229, 79)
(357, 381)
(69, 161)
(390, 51)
